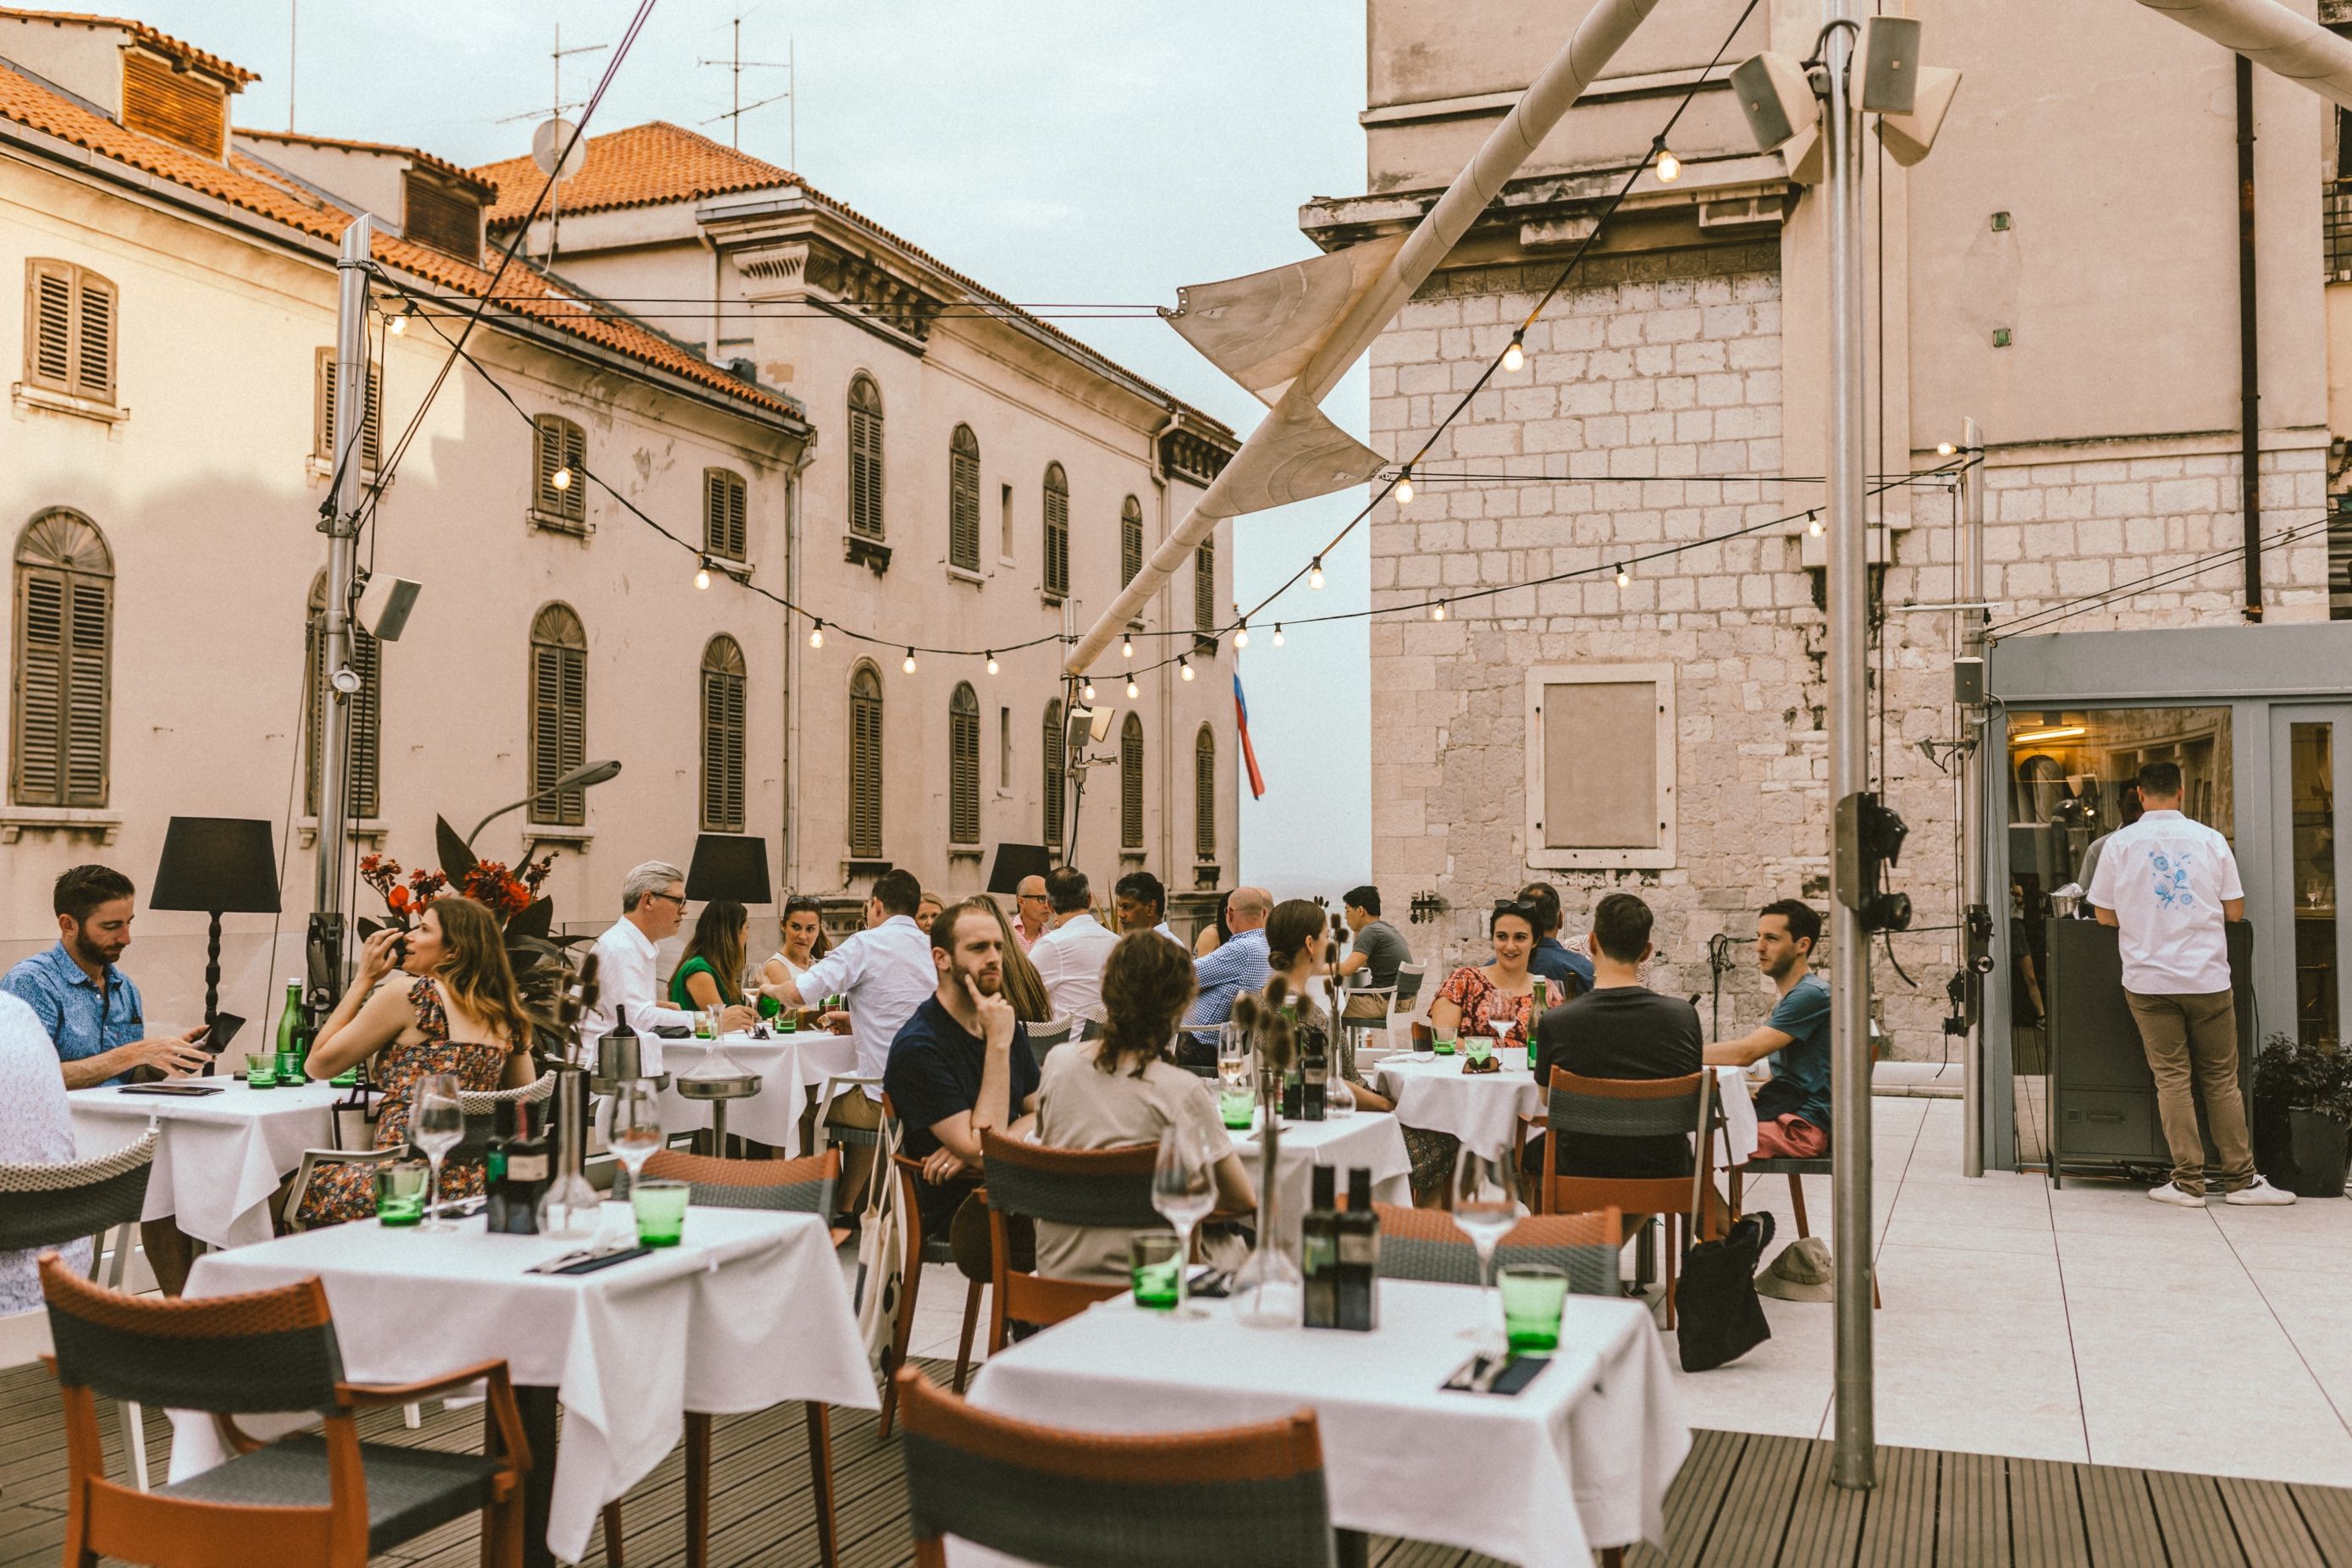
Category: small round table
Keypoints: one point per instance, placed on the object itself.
(719, 1091)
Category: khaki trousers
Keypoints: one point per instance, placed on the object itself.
(2191, 1042)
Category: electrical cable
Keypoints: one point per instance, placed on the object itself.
(2034, 620)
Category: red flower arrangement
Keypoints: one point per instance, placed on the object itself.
(506, 893)
(405, 900)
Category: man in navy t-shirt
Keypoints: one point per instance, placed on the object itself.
(1570, 972)
(1792, 1110)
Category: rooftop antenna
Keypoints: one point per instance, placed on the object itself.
(554, 134)
(737, 65)
(293, 23)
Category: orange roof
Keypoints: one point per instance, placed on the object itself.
(248, 184)
(415, 155)
(161, 43)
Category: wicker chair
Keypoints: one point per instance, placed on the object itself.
(315, 1498)
(1425, 1243)
(920, 1249)
(1111, 1188)
(1045, 1038)
(790, 1186)
(1244, 1496)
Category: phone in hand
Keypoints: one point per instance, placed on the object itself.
(224, 1030)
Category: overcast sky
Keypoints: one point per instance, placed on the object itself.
(1056, 150)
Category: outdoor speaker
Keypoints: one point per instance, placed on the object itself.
(1776, 96)
(1910, 137)
(1887, 58)
(383, 608)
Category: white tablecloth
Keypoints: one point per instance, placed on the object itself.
(1368, 1138)
(220, 1157)
(1580, 1460)
(747, 1311)
(1483, 1108)
(788, 1065)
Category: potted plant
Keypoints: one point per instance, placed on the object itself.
(2303, 1115)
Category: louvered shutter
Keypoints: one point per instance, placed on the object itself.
(1131, 784)
(39, 748)
(1204, 796)
(865, 765)
(573, 736)
(1057, 531)
(722, 736)
(178, 105)
(366, 725)
(1057, 742)
(558, 444)
(963, 500)
(865, 458)
(964, 767)
(93, 356)
(546, 730)
(1130, 541)
(86, 690)
(62, 697)
(371, 420)
(1205, 589)
(724, 527)
(49, 325)
(559, 713)
(314, 707)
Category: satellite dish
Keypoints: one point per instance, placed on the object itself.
(550, 141)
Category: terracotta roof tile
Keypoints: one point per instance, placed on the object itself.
(246, 184)
(160, 42)
(417, 154)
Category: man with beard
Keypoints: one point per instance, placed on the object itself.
(1792, 1110)
(961, 1064)
(89, 1007)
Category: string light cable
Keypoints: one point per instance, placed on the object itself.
(2163, 578)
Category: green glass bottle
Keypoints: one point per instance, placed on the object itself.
(293, 1031)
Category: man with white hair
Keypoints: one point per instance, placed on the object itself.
(652, 901)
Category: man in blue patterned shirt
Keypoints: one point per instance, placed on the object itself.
(89, 1006)
(1241, 964)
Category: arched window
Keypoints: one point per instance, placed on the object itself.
(559, 453)
(1057, 776)
(726, 523)
(1130, 540)
(65, 636)
(722, 735)
(366, 710)
(864, 764)
(1204, 588)
(1130, 783)
(964, 765)
(559, 713)
(1204, 794)
(1057, 531)
(963, 500)
(864, 457)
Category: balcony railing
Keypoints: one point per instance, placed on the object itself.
(2335, 223)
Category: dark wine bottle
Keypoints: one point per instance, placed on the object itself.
(1315, 1074)
(1359, 1247)
(494, 1166)
(1319, 1252)
(530, 1164)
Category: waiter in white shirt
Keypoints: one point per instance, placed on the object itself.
(1071, 954)
(2168, 884)
(884, 972)
(653, 901)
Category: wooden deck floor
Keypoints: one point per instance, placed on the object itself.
(1741, 1501)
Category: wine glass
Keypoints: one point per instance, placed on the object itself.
(637, 1131)
(1183, 1189)
(436, 1124)
(1486, 1194)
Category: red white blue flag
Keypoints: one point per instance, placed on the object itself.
(1249, 753)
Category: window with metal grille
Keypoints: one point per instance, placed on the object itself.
(1130, 783)
(1204, 794)
(322, 437)
(725, 503)
(1057, 776)
(722, 735)
(864, 764)
(1057, 531)
(70, 330)
(442, 215)
(864, 457)
(1204, 588)
(964, 765)
(366, 711)
(559, 451)
(183, 107)
(1130, 540)
(65, 632)
(558, 714)
(963, 500)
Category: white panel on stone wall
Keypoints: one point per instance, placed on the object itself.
(1600, 766)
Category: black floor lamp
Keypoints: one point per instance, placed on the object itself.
(218, 865)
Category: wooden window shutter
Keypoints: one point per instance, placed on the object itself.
(1204, 796)
(557, 446)
(182, 107)
(443, 216)
(963, 500)
(1057, 760)
(964, 765)
(1130, 783)
(1130, 541)
(865, 458)
(1204, 588)
(723, 676)
(366, 713)
(371, 425)
(559, 713)
(70, 330)
(725, 522)
(93, 375)
(1057, 530)
(866, 763)
(62, 696)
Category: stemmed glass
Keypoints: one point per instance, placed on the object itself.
(1183, 1189)
(436, 1124)
(635, 1133)
(1486, 1194)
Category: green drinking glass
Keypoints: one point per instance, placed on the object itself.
(400, 1192)
(261, 1071)
(289, 1068)
(1238, 1107)
(1155, 1265)
(1478, 1047)
(660, 1208)
(1533, 1297)
(1442, 1045)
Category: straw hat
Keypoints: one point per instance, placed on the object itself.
(1803, 1272)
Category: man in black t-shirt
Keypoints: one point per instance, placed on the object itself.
(1620, 1028)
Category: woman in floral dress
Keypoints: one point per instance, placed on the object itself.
(459, 1015)
(1490, 999)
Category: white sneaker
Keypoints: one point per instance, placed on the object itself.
(2170, 1194)
(2259, 1192)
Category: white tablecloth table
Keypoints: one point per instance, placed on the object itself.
(1370, 1138)
(220, 1157)
(1483, 1108)
(747, 1311)
(789, 1066)
(1580, 1460)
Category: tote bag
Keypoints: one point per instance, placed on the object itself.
(881, 1253)
(1717, 1317)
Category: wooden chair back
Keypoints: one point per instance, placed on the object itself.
(1628, 1108)
(1105, 1188)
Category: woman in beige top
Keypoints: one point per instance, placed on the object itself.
(1122, 1089)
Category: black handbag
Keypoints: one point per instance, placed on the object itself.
(1717, 1317)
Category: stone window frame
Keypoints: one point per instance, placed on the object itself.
(1658, 858)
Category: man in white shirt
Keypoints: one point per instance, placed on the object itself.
(1071, 954)
(2168, 884)
(653, 901)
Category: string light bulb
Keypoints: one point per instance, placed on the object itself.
(1088, 690)
(1515, 357)
(1670, 168)
(398, 324)
(1945, 448)
(1813, 523)
(1278, 634)
(909, 666)
(1131, 692)
(817, 634)
(702, 573)
(992, 661)
(1404, 489)
(1184, 666)
(1240, 636)
(1437, 611)
(1315, 574)
(1624, 573)
(561, 480)
(1127, 647)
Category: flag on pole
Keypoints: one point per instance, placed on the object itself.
(1249, 753)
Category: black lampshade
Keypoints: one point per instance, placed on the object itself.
(223, 863)
(1015, 861)
(730, 866)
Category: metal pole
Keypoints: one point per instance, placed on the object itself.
(1972, 773)
(1853, 1462)
(2250, 354)
(335, 624)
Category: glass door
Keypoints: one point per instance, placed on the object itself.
(2311, 759)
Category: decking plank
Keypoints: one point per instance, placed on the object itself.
(1754, 1519)
(2270, 1529)
(2196, 1527)
(1972, 1512)
(1898, 1524)
(1693, 1500)
(2119, 1520)
(2045, 1515)
(1825, 1526)
(2327, 1513)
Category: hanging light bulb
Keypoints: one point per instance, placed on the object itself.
(1945, 448)
(1437, 611)
(1184, 666)
(560, 479)
(1515, 357)
(909, 666)
(1670, 168)
(1127, 647)
(992, 662)
(398, 324)
(1404, 489)
(1240, 636)
(702, 573)
(1315, 574)
(817, 634)
(1813, 523)
(1088, 690)
(1624, 574)
(1131, 692)
(1278, 634)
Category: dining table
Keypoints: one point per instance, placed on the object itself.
(748, 1310)
(1483, 1110)
(789, 1068)
(1370, 1140)
(219, 1157)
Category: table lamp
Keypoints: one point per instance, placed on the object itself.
(218, 865)
(1015, 862)
(729, 866)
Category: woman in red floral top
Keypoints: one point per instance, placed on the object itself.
(1494, 999)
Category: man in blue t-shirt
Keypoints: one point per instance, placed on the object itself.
(1792, 1110)
(1570, 972)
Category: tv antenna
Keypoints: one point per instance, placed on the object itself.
(737, 65)
(554, 135)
